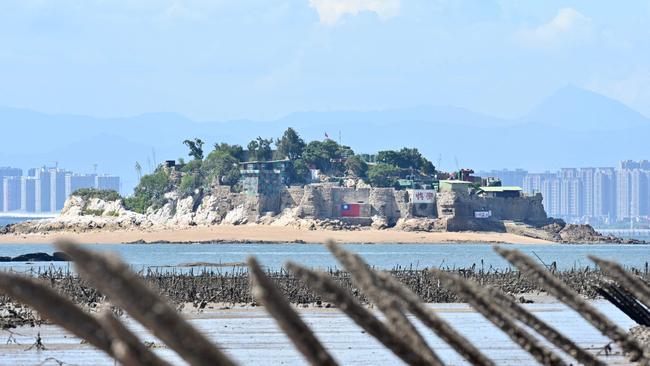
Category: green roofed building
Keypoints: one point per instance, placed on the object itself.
(458, 186)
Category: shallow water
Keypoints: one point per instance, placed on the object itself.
(379, 255)
(252, 338)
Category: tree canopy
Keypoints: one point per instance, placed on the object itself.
(260, 149)
(383, 175)
(290, 145)
(196, 148)
(406, 158)
(328, 156)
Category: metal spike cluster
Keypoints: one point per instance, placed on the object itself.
(395, 301)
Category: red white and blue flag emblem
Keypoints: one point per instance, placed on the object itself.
(350, 210)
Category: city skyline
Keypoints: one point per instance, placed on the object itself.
(45, 189)
(597, 195)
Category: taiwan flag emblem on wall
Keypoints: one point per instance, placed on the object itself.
(350, 210)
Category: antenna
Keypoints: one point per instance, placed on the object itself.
(153, 154)
(95, 168)
(439, 166)
(456, 161)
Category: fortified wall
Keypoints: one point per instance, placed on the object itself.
(359, 205)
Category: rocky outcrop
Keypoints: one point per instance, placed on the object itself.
(573, 233)
(420, 224)
(379, 222)
(560, 232)
(317, 207)
(237, 216)
(38, 257)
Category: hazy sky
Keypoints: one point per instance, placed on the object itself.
(222, 59)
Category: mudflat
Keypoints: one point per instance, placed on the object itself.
(269, 234)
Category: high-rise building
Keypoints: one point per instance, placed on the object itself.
(28, 194)
(46, 189)
(586, 201)
(623, 194)
(551, 189)
(73, 182)
(604, 193)
(42, 191)
(7, 172)
(10, 194)
(570, 194)
(109, 182)
(639, 192)
(57, 189)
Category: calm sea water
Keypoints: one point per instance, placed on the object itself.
(6, 220)
(380, 255)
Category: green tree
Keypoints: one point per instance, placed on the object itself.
(236, 151)
(221, 166)
(383, 175)
(189, 184)
(150, 192)
(196, 148)
(328, 156)
(406, 158)
(290, 145)
(298, 172)
(356, 166)
(260, 149)
(390, 157)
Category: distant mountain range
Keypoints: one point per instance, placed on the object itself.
(572, 127)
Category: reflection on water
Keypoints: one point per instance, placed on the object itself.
(379, 255)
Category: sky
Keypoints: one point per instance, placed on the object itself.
(262, 59)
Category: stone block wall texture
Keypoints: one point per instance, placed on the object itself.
(523, 209)
(325, 201)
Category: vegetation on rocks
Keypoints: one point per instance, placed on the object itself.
(150, 192)
(102, 194)
(221, 167)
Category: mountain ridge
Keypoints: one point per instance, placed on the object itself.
(569, 128)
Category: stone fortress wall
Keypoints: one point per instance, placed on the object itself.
(324, 201)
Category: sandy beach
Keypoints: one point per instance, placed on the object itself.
(271, 234)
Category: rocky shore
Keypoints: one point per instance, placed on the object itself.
(94, 215)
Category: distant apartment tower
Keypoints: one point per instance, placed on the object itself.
(74, 182)
(604, 193)
(57, 189)
(551, 190)
(109, 182)
(532, 183)
(28, 194)
(42, 190)
(570, 192)
(7, 172)
(10, 194)
(639, 192)
(587, 198)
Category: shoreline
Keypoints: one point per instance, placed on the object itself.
(253, 233)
